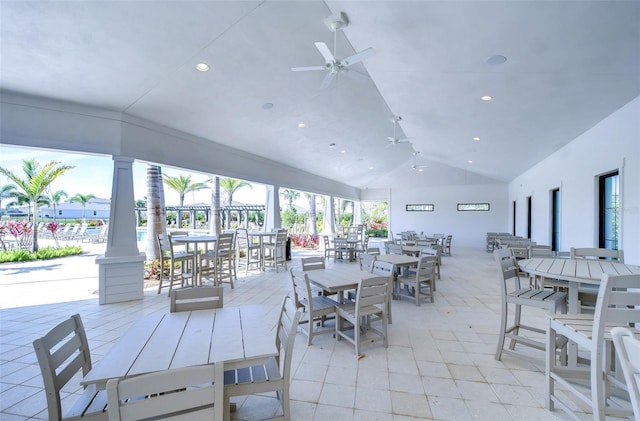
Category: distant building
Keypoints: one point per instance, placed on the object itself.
(95, 209)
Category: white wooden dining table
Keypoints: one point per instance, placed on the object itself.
(346, 245)
(235, 336)
(575, 272)
(261, 236)
(339, 279)
(195, 240)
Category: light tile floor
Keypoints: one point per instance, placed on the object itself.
(439, 364)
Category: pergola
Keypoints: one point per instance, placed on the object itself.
(226, 211)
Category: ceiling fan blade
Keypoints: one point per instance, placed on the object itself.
(354, 74)
(358, 57)
(326, 53)
(327, 80)
(306, 69)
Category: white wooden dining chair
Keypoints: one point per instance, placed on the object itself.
(328, 248)
(373, 250)
(437, 253)
(226, 253)
(273, 376)
(188, 393)
(446, 245)
(370, 307)
(366, 261)
(198, 298)
(387, 270)
(208, 263)
(61, 354)
(316, 307)
(275, 253)
(251, 250)
(175, 266)
(617, 305)
(312, 263)
(421, 278)
(511, 292)
(394, 249)
(627, 347)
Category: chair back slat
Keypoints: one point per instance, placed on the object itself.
(312, 263)
(618, 302)
(287, 328)
(197, 298)
(628, 350)
(508, 270)
(596, 253)
(372, 291)
(301, 290)
(382, 268)
(366, 261)
(170, 392)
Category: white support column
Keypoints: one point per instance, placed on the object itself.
(272, 217)
(122, 266)
(329, 217)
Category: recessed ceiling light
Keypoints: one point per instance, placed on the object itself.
(476, 138)
(497, 59)
(203, 67)
(343, 151)
(370, 168)
(267, 105)
(469, 162)
(301, 125)
(486, 98)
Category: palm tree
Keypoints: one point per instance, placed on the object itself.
(6, 192)
(290, 196)
(156, 211)
(83, 199)
(37, 180)
(183, 185)
(312, 212)
(230, 186)
(55, 199)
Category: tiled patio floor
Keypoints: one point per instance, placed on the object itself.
(439, 363)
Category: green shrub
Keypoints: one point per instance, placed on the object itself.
(53, 252)
(43, 254)
(16, 256)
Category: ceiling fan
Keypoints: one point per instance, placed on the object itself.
(395, 140)
(332, 64)
(415, 165)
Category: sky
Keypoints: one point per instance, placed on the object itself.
(93, 174)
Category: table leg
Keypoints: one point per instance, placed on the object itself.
(195, 268)
(574, 308)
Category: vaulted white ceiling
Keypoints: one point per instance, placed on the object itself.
(569, 64)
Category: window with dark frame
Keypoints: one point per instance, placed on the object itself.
(513, 228)
(609, 210)
(555, 219)
(529, 217)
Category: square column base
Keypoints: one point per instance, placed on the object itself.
(120, 278)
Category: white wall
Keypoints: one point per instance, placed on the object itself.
(469, 229)
(612, 144)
